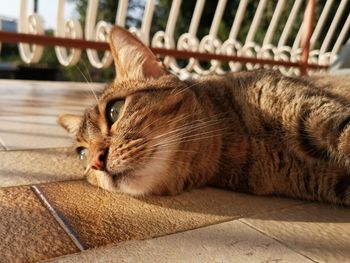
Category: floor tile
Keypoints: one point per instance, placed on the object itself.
(226, 242)
(32, 132)
(38, 166)
(317, 231)
(100, 218)
(29, 111)
(28, 232)
(44, 98)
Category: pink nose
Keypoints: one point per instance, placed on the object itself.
(98, 160)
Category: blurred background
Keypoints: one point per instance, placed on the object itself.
(49, 68)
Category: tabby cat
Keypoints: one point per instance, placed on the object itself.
(257, 132)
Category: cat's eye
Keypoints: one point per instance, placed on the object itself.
(83, 155)
(114, 110)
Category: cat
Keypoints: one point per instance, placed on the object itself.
(258, 132)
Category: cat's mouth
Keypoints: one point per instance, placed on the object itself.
(119, 173)
(134, 178)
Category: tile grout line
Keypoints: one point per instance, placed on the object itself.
(277, 240)
(60, 219)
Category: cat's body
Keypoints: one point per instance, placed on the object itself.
(257, 132)
(287, 136)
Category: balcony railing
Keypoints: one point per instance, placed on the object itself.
(297, 58)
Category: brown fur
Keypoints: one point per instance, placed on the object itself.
(257, 132)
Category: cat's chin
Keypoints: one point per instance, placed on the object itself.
(108, 182)
(102, 179)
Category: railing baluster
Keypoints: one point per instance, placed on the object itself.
(331, 30)
(321, 22)
(232, 46)
(250, 48)
(29, 24)
(96, 34)
(290, 21)
(340, 39)
(268, 50)
(189, 41)
(255, 23)
(99, 34)
(283, 51)
(166, 38)
(147, 21)
(197, 14)
(210, 43)
(144, 32)
(238, 19)
(71, 29)
(121, 12)
(274, 21)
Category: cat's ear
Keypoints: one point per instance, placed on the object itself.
(70, 123)
(133, 59)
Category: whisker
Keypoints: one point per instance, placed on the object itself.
(183, 117)
(163, 159)
(173, 121)
(149, 125)
(168, 151)
(184, 126)
(190, 128)
(179, 137)
(189, 139)
(207, 119)
(187, 88)
(89, 85)
(87, 170)
(87, 69)
(203, 133)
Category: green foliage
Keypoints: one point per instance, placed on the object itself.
(9, 53)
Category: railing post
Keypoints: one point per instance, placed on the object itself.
(309, 19)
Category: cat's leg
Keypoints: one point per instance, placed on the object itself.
(324, 133)
(320, 127)
(276, 171)
(319, 181)
(313, 122)
(296, 133)
(315, 126)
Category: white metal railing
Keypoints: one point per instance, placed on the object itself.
(98, 31)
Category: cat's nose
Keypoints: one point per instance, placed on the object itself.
(98, 160)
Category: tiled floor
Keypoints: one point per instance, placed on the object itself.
(58, 214)
(317, 231)
(27, 231)
(226, 242)
(29, 111)
(100, 218)
(23, 167)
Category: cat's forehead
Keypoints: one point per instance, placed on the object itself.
(130, 87)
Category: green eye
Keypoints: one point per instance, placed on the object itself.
(83, 155)
(114, 109)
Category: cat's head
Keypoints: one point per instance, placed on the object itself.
(134, 139)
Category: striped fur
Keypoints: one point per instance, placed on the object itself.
(257, 132)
